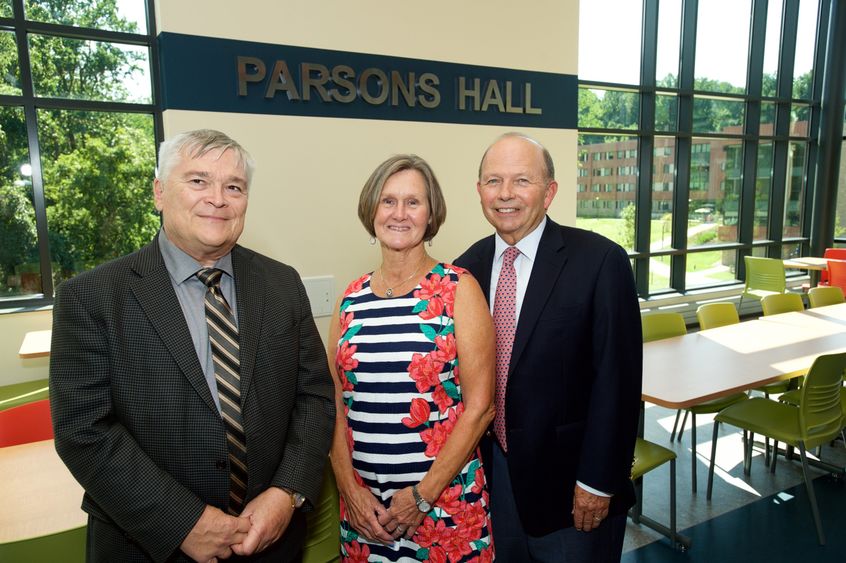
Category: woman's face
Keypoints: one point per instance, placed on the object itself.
(402, 213)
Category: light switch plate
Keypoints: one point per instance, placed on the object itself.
(321, 294)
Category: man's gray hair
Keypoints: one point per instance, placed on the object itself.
(547, 158)
(195, 144)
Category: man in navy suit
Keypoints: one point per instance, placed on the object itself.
(569, 375)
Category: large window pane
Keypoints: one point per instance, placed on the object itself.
(722, 44)
(10, 71)
(5, 8)
(767, 119)
(805, 38)
(714, 115)
(659, 273)
(89, 70)
(20, 272)
(840, 218)
(608, 109)
(606, 186)
(763, 189)
(97, 173)
(710, 268)
(800, 116)
(772, 43)
(666, 112)
(669, 42)
(663, 180)
(129, 15)
(795, 191)
(619, 22)
(715, 181)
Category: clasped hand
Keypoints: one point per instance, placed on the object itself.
(379, 524)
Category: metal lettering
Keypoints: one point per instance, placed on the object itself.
(381, 81)
(244, 76)
(342, 76)
(508, 98)
(464, 93)
(493, 96)
(280, 79)
(431, 97)
(529, 109)
(398, 85)
(307, 82)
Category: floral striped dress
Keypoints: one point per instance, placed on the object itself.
(402, 395)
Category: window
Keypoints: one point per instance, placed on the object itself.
(723, 151)
(78, 136)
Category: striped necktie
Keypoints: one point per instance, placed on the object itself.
(223, 336)
(505, 323)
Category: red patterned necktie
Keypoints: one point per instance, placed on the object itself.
(505, 323)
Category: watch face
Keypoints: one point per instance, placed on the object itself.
(299, 500)
(424, 506)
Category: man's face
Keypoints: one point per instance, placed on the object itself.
(513, 188)
(203, 201)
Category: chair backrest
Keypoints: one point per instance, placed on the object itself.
(822, 296)
(662, 325)
(713, 315)
(764, 274)
(839, 253)
(26, 423)
(820, 410)
(837, 274)
(782, 303)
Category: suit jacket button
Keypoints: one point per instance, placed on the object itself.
(220, 464)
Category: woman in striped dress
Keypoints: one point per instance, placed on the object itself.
(409, 420)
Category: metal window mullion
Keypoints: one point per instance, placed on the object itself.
(155, 77)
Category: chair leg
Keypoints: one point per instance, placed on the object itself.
(713, 456)
(683, 424)
(775, 456)
(693, 452)
(637, 509)
(673, 502)
(747, 462)
(675, 425)
(809, 485)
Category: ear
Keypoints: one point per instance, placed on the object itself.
(551, 190)
(158, 194)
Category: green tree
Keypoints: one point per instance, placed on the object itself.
(627, 227)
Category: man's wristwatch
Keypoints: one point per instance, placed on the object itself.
(297, 500)
(422, 504)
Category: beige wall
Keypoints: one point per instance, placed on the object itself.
(310, 170)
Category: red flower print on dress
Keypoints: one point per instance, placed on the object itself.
(345, 320)
(434, 309)
(425, 371)
(448, 295)
(344, 358)
(430, 532)
(356, 286)
(432, 286)
(420, 411)
(479, 481)
(444, 401)
(485, 556)
(471, 519)
(456, 546)
(446, 350)
(436, 437)
(437, 554)
(450, 499)
(356, 552)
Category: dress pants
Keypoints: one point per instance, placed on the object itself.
(569, 545)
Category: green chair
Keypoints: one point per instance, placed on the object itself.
(713, 315)
(323, 540)
(778, 303)
(825, 295)
(817, 420)
(657, 326)
(21, 393)
(648, 456)
(67, 546)
(764, 276)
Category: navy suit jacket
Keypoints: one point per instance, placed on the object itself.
(134, 417)
(574, 384)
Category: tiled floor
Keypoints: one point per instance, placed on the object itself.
(763, 516)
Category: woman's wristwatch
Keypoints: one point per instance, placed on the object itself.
(422, 504)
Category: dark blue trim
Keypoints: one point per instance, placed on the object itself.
(201, 73)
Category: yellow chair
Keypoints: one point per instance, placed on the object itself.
(714, 315)
(323, 540)
(825, 295)
(67, 546)
(782, 303)
(657, 326)
(764, 276)
(21, 393)
(648, 456)
(817, 420)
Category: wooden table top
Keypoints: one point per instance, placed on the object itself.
(36, 344)
(39, 494)
(809, 263)
(686, 370)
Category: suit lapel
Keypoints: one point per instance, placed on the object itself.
(249, 287)
(549, 261)
(480, 266)
(154, 292)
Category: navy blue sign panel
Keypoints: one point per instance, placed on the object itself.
(208, 74)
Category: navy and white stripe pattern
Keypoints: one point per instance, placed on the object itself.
(399, 367)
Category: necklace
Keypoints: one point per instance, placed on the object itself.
(389, 291)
